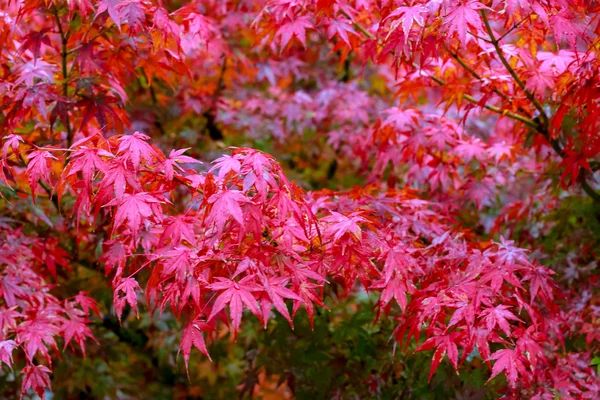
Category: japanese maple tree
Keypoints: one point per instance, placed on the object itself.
(428, 169)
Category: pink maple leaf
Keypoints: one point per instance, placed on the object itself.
(134, 209)
(293, 28)
(407, 16)
(460, 17)
(226, 203)
(125, 293)
(193, 337)
(37, 378)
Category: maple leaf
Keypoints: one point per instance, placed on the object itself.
(540, 282)
(296, 27)
(467, 150)
(226, 203)
(88, 162)
(134, 147)
(445, 345)
(134, 209)
(125, 293)
(499, 315)
(85, 7)
(75, 328)
(342, 224)
(175, 158)
(6, 349)
(407, 16)
(193, 337)
(178, 228)
(132, 12)
(572, 163)
(509, 361)
(36, 378)
(340, 29)
(509, 253)
(461, 16)
(38, 168)
(559, 62)
(393, 289)
(225, 165)
(86, 303)
(179, 261)
(500, 151)
(236, 295)
(112, 8)
(35, 69)
(100, 106)
(202, 27)
(36, 336)
(511, 6)
(276, 292)
(565, 25)
(307, 292)
(402, 119)
(8, 318)
(116, 177)
(11, 141)
(34, 41)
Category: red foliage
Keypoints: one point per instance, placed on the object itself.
(241, 235)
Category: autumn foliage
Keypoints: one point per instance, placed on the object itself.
(222, 163)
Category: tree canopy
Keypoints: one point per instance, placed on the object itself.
(300, 198)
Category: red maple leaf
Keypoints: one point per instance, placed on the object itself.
(236, 295)
(499, 316)
(225, 204)
(38, 168)
(37, 377)
(193, 337)
(125, 293)
(135, 148)
(510, 362)
(134, 209)
(445, 345)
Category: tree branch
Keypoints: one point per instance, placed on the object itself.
(511, 71)
(64, 53)
(477, 76)
(469, 98)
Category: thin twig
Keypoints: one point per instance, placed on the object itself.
(515, 26)
(358, 26)
(479, 37)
